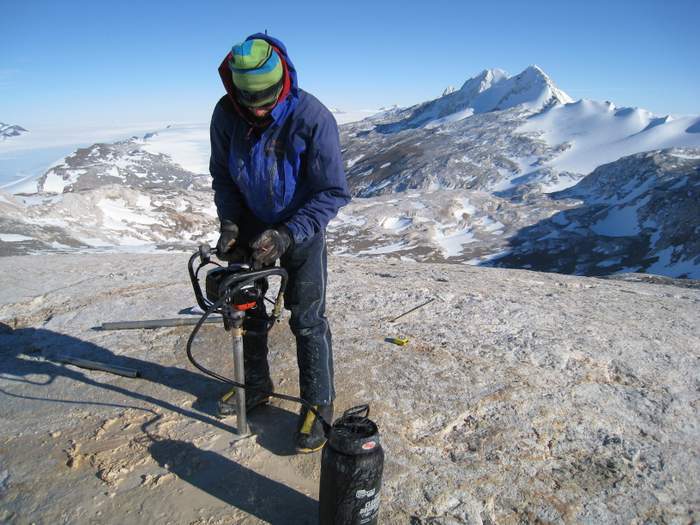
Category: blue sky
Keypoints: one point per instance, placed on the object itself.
(78, 63)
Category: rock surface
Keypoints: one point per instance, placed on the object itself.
(522, 397)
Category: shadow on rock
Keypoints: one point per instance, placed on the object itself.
(20, 350)
(268, 500)
(19, 359)
(275, 429)
(29, 352)
(53, 345)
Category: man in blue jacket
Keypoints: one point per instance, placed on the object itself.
(278, 179)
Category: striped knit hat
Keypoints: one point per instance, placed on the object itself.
(257, 73)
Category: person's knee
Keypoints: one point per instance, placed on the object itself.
(309, 320)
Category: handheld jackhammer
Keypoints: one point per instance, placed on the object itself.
(231, 291)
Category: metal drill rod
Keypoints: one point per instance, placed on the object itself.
(239, 376)
(103, 367)
(412, 310)
(156, 323)
(236, 318)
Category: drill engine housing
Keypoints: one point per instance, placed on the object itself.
(215, 288)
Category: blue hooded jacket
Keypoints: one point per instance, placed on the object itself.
(289, 173)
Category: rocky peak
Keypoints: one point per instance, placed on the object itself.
(484, 80)
(532, 88)
(10, 130)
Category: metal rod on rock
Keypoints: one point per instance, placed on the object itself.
(103, 367)
(156, 323)
(412, 310)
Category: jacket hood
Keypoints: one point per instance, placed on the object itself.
(290, 86)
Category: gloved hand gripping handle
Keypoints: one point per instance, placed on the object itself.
(238, 278)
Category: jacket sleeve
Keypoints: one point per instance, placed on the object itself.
(325, 180)
(227, 196)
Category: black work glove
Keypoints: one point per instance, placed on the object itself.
(270, 246)
(227, 239)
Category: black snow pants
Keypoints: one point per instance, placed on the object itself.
(305, 298)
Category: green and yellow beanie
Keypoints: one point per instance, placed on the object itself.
(257, 72)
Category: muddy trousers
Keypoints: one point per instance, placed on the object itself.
(305, 298)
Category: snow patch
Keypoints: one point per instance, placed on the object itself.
(55, 183)
(454, 117)
(620, 221)
(395, 223)
(116, 213)
(464, 206)
(187, 146)
(598, 133)
(487, 258)
(688, 156)
(346, 219)
(354, 161)
(664, 266)
(451, 244)
(488, 224)
(389, 248)
(13, 237)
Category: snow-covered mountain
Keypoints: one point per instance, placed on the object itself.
(480, 152)
(608, 222)
(640, 213)
(112, 217)
(590, 133)
(25, 158)
(491, 90)
(125, 195)
(477, 176)
(124, 162)
(10, 130)
(501, 134)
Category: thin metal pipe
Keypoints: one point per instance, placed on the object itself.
(412, 310)
(104, 367)
(239, 376)
(156, 323)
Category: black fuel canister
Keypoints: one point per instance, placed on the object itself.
(351, 471)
